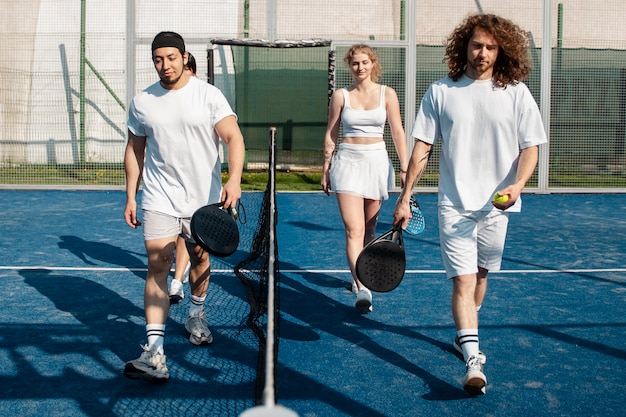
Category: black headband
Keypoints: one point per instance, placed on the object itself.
(169, 39)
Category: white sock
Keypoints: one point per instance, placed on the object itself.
(156, 336)
(197, 305)
(468, 339)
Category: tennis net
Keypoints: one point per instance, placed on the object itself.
(259, 272)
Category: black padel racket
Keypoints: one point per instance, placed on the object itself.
(381, 264)
(215, 230)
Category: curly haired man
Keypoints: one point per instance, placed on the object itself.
(490, 128)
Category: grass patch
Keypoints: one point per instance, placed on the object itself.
(58, 174)
(256, 180)
(103, 175)
(285, 181)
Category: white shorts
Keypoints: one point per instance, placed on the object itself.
(471, 239)
(159, 226)
(362, 170)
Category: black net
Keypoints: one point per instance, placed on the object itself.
(255, 272)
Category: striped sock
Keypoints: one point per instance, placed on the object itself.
(197, 305)
(156, 336)
(468, 339)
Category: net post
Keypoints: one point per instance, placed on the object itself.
(210, 65)
(269, 407)
(545, 98)
(269, 391)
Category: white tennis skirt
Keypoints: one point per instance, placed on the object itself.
(362, 170)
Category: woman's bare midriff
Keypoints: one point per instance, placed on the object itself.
(361, 141)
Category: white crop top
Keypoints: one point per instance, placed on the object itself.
(363, 123)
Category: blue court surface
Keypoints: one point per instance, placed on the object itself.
(553, 325)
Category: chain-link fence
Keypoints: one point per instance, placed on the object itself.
(71, 68)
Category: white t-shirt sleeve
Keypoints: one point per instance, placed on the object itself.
(133, 124)
(220, 107)
(530, 125)
(427, 126)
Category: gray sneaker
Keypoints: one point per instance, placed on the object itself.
(198, 328)
(150, 366)
(474, 381)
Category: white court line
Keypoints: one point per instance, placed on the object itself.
(92, 269)
(441, 271)
(321, 271)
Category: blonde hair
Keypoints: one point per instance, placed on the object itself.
(361, 48)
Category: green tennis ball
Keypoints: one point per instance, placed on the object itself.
(500, 198)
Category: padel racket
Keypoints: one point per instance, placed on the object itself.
(215, 229)
(416, 224)
(381, 264)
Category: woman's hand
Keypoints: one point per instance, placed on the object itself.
(325, 182)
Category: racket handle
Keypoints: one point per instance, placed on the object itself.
(416, 222)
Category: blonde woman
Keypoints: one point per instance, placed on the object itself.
(361, 173)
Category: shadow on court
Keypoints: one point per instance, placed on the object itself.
(552, 326)
(341, 321)
(103, 252)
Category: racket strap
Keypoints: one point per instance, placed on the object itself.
(237, 212)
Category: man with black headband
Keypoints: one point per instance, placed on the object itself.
(174, 128)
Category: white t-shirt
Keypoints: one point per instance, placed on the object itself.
(482, 129)
(182, 168)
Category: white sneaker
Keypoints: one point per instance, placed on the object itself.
(198, 328)
(363, 301)
(176, 291)
(150, 366)
(474, 381)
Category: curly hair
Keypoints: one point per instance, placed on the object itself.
(361, 48)
(513, 62)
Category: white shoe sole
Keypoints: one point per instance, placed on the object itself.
(475, 385)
